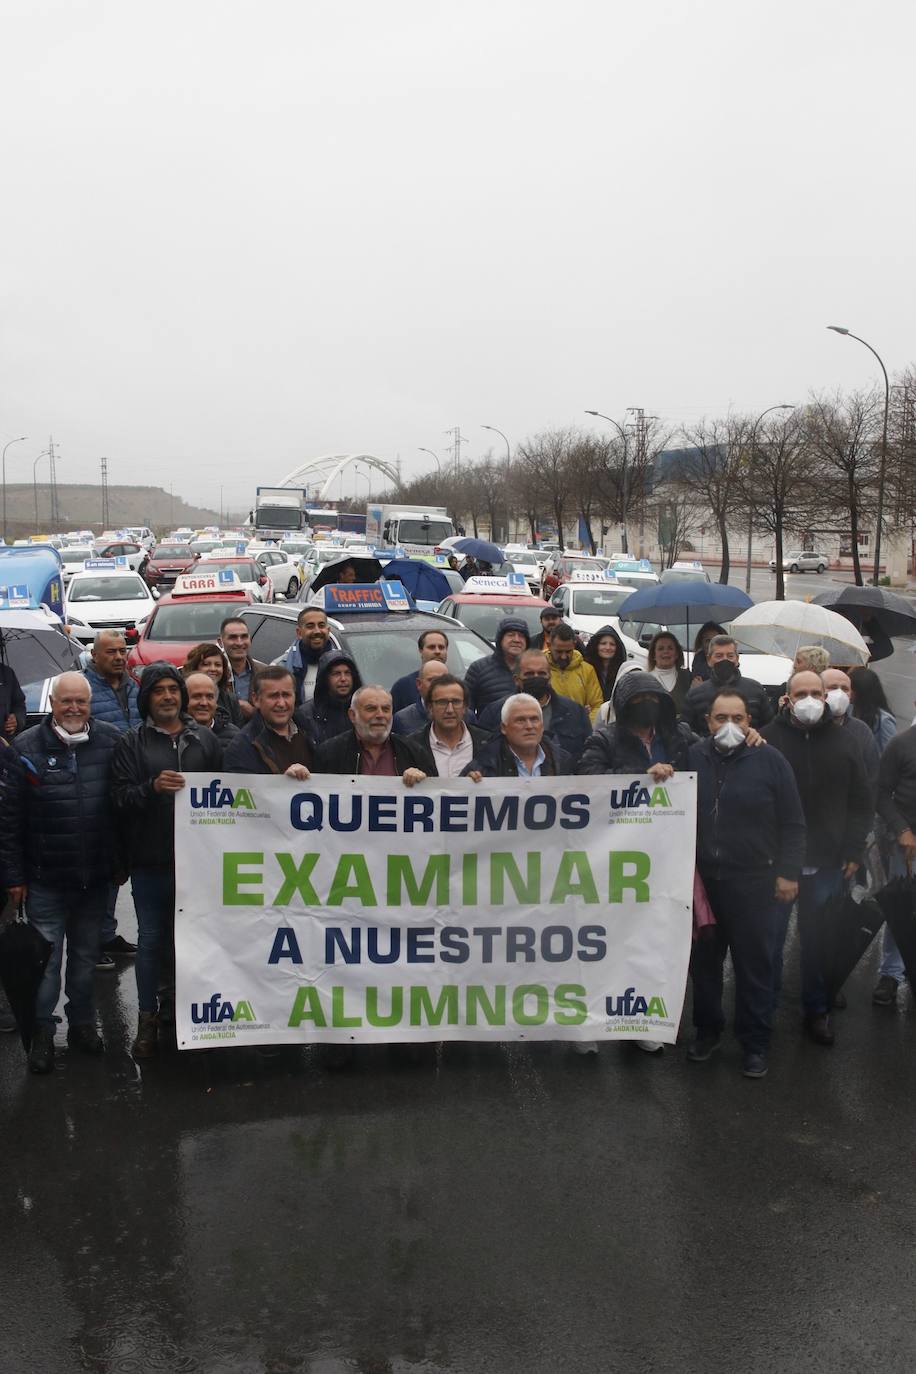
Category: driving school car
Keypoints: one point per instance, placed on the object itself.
(190, 614)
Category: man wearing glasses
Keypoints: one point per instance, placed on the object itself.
(447, 738)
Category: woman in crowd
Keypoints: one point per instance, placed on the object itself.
(606, 653)
(699, 667)
(870, 704)
(666, 662)
(210, 659)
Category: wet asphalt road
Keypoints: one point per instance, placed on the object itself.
(488, 1210)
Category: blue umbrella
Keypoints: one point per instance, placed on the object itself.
(422, 580)
(481, 549)
(681, 603)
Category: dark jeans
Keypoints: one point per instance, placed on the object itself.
(748, 922)
(74, 915)
(813, 891)
(154, 901)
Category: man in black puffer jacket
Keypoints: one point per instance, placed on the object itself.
(148, 770)
(58, 852)
(493, 679)
(646, 736)
(327, 714)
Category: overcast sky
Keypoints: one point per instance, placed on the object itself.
(235, 235)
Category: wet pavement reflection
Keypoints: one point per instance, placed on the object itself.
(508, 1208)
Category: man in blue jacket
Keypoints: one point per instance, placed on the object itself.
(750, 851)
(493, 678)
(433, 646)
(114, 700)
(566, 723)
(59, 854)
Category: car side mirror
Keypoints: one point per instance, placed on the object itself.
(156, 592)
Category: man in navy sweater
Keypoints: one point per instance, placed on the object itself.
(750, 851)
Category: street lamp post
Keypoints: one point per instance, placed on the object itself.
(750, 508)
(838, 329)
(35, 482)
(624, 548)
(434, 458)
(20, 440)
(494, 430)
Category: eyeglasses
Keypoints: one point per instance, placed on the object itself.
(448, 703)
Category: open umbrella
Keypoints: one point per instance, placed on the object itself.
(424, 582)
(780, 627)
(366, 569)
(24, 955)
(876, 611)
(683, 603)
(481, 549)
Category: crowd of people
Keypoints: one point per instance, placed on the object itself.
(795, 796)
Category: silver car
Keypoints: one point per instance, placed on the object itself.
(802, 560)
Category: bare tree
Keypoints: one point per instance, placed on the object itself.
(780, 484)
(709, 467)
(546, 459)
(676, 519)
(844, 435)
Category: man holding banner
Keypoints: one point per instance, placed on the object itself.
(369, 748)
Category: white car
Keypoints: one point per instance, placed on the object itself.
(251, 575)
(588, 605)
(73, 558)
(802, 560)
(107, 598)
(524, 562)
(284, 570)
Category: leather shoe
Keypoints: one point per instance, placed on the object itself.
(819, 1028)
(41, 1054)
(85, 1038)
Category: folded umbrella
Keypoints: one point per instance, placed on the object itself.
(840, 932)
(898, 902)
(781, 627)
(24, 955)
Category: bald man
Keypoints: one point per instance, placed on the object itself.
(58, 852)
(412, 718)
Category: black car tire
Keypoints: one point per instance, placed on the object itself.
(820, 567)
(292, 591)
(793, 567)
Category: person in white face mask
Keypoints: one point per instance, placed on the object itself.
(839, 809)
(750, 850)
(839, 703)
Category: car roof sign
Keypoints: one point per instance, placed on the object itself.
(16, 597)
(99, 565)
(195, 583)
(345, 598)
(503, 585)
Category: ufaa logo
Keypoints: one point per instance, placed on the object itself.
(628, 798)
(633, 1004)
(215, 796)
(216, 1010)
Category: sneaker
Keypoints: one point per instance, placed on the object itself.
(650, 1046)
(120, 948)
(585, 1046)
(41, 1055)
(7, 1023)
(820, 1029)
(146, 1044)
(105, 963)
(85, 1038)
(885, 993)
(700, 1049)
(839, 1002)
(755, 1066)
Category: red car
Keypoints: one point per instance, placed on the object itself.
(482, 613)
(168, 562)
(189, 615)
(560, 568)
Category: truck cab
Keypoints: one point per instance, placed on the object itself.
(415, 529)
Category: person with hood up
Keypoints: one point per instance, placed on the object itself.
(750, 850)
(566, 723)
(313, 639)
(838, 806)
(327, 714)
(607, 654)
(725, 671)
(570, 675)
(148, 770)
(275, 740)
(493, 678)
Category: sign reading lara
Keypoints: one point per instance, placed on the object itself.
(358, 910)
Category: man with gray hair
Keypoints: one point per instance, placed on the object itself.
(59, 854)
(369, 748)
(520, 750)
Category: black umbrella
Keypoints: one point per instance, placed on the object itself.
(876, 611)
(366, 569)
(24, 955)
(898, 902)
(841, 932)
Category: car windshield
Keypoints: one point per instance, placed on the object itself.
(522, 560)
(194, 620)
(76, 555)
(385, 655)
(295, 547)
(428, 532)
(603, 601)
(115, 588)
(173, 551)
(245, 571)
(485, 617)
(572, 565)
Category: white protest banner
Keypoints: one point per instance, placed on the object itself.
(359, 910)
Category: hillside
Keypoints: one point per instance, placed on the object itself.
(81, 508)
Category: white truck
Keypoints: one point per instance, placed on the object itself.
(415, 529)
(278, 511)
